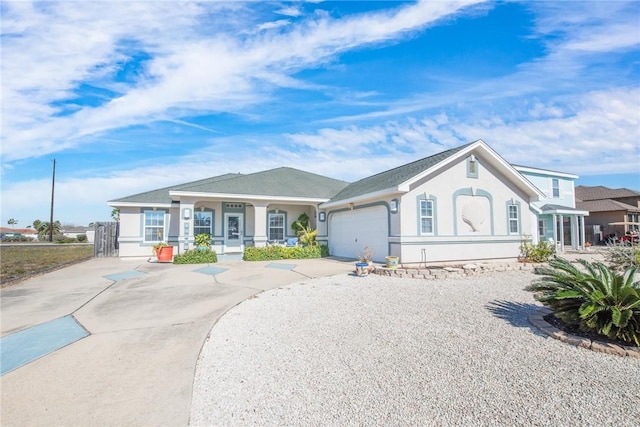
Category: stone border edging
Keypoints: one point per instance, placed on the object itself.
(537, 320)
(454, 272)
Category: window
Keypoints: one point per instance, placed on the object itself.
(542, 228)
(276, 226)
(426, 216)
(555, 185)
(202, 222)
(513, 219)
(154, 226)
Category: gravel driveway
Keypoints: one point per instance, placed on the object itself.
(346, 350)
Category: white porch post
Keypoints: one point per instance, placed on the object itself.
(186, 224)
(555, 230)
(260, 224)
(561, 218)
(582, 238)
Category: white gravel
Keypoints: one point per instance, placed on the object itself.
(346, 350)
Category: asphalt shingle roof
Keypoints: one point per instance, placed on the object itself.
(395, 176)
(606, 205)
(283, 182)
(599, 192)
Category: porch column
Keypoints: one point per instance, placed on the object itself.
(555, 230)
(582, 238)
(186, 224)
(561, 219)
(574, 232)
(260, 224)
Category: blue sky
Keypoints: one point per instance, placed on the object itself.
(133, 96)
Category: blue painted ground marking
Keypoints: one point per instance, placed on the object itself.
(22, 347)
(229, 257)
(282, 266)
(211, 270)
(116, 277)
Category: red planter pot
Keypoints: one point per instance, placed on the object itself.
(165, 254)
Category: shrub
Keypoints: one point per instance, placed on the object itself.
(598, 299)
(270, 253)
(540, 252)
(622, 257)
(203, 240)
(82, 237)
(196, 256)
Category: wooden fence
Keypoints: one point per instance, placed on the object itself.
(106, 239)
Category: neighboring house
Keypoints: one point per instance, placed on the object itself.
(558, 218)
(466, 203)
(612, 211)
(17, 232)
(74, 232)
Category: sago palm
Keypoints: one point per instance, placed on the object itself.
(593, 298)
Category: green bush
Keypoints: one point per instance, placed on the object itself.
(540, 252)
(270, 253)
(196, 256)
(82, 237)
(595, 299)
(622, 257)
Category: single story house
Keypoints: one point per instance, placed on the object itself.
(466, 203)
(18, 232)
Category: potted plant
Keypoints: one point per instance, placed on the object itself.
(203, 241)
(163, 251)
(364, 266)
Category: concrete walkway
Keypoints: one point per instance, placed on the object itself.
(113, 342)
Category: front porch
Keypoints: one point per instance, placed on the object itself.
(562, 225)
(235, 225)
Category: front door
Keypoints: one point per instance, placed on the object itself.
(233, 239)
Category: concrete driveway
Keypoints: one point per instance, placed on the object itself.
(133, 333)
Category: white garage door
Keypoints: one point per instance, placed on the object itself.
(351, 231)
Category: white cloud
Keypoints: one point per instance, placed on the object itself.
(58, 45)
(292, 11)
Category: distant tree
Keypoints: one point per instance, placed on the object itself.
(12, 222)
(36, 224)
(115, 214)
(44, 230)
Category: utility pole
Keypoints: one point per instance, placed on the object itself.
(53, 186)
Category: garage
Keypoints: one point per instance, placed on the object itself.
(351, 231)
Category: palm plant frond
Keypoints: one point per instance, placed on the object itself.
(592, 298)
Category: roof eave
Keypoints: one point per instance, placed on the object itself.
(256, 197)
(117, 204)
(361, 198)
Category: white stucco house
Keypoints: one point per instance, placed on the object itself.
(466, 203)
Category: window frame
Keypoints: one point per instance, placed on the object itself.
(149, 225)
(196, 227)
(429, 205)
(510, 219)
(271, 215)
(555, 188)
(542, 228)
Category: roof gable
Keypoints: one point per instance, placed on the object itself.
(401, 178)
(394, 177)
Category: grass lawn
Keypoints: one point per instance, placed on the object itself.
(21, 261)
